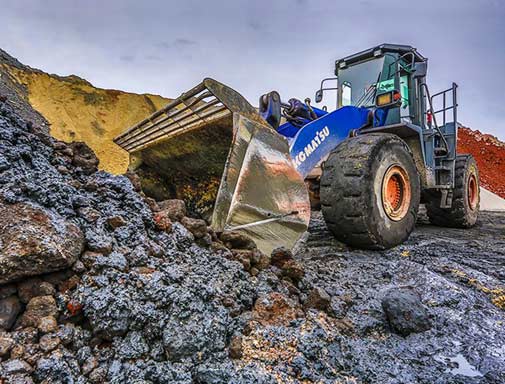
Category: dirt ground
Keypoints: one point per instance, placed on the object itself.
(460, 276)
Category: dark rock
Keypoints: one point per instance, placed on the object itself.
(4, 164)
(57, 278)
(84, 157)
(35, 241)
(49, 342)
(37, 308)
(6, 344)
(318, 298)
(53, 369)
(218, 246)
(78, 267)
(405, 312)
(66, 333)
(292, 289)
(88, 258)
(9, 310)
(47, 324)
(69, 284)
(187, 337)
(176, 209)
(114, 260)
(7, 290)
(98, 243)
(243, 256)
(20, 379)
(235, 347)
(152, 204)
(204, 241)
(32, 287)
(89, 365)
(197, 227)
(293, 269)
(17, 351)
(89, 214)
(135, 180)
(237, 240)
(263, 260)
(62, 169)
(133, 346)
(280, 255)
(11, 367)
(116, 221)
(98, 375)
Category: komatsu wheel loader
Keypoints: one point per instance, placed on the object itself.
(368, 164)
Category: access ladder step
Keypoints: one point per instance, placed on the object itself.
(443, 168)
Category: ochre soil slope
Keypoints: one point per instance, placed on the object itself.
(78, 111)
(489, 152)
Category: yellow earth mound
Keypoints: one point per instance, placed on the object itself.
(77, 111)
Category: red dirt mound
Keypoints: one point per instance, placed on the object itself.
(489, 152)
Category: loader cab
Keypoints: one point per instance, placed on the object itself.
(367, 78)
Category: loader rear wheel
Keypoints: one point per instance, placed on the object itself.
(465, 197)
(370, 191)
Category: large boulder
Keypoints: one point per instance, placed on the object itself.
(405, 312)
(34, 241)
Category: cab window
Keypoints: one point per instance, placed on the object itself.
(346, 93)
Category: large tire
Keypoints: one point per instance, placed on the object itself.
(465, 197)
(355, 195)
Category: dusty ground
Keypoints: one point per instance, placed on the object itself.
(460, 275)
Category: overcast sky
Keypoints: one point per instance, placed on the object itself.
(166, 47)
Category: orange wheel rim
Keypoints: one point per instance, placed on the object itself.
(396, 192)
(473, 192)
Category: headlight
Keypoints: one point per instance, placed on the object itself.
(388, 98)
(384, 99)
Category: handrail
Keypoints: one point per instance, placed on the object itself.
(433, 114)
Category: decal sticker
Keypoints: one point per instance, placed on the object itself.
(319, 137)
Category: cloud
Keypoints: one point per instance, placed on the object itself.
(184, 42)
(177, 43)
(153, 58)
(254, 25)
(127, 58)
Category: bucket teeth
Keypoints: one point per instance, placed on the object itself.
(210, 147)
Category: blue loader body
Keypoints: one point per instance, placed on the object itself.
(312, 142)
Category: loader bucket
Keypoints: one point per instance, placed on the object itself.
(211, 148)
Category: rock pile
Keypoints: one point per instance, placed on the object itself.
(489, 153)
(100, 283)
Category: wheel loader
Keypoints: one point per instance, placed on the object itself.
(387, 146)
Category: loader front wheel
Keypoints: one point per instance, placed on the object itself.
(465, 201)
(370, 191)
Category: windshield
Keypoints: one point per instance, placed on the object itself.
(358, 83)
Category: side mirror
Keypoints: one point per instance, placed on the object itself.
(420, 69)
(319, 96)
